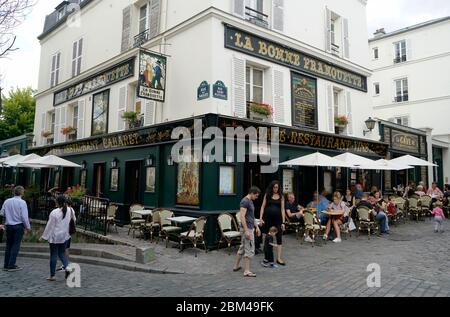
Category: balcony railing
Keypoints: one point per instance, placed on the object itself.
(257, 17)
(401, 98)
(400, 59)
(141, 38)
(335, 49)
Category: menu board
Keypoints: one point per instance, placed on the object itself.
(304, 101)
(288, 181)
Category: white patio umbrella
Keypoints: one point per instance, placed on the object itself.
(412, 161)
(6, 160)
(316, 160)
(354, 160)
(49, 161)
(15, 161)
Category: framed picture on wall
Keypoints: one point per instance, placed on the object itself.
(114, 185)
(188, 183)
(150, 180)
(100, 109)
(227, 180)
(288, 181)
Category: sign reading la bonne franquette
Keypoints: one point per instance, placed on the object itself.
(100, 80)
(152, 76)
(251, 44)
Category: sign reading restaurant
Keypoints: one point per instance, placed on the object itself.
(100, 80)
(251, 44)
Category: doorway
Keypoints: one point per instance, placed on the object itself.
(133, 182)
(67, 178)
(99, 179)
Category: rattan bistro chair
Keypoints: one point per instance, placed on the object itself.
(111, 216)
(313, 227)
(195, 235)
(402, 208)
(414, 208)
(153, 227)
(425, 205)
(136, 221)
(366, 221)
(166, 228)
(229, 230)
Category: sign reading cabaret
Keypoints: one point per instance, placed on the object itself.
(251, 44)
(100, 80)
(315, 140)
(152, 76)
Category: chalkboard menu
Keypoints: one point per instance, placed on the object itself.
(304, 101)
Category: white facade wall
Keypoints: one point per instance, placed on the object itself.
(428, 73)
(192, 35)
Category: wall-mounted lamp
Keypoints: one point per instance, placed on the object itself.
(83, 165)
(229, 158)
(114, 163)
(149, 161)
(170, 161)
(370, 124)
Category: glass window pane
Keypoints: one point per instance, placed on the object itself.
(247, 75)
(257, 94)
(258, 77)
(248, 91)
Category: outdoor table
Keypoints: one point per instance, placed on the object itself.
(182, 220)
(145, 214)
(333, 212)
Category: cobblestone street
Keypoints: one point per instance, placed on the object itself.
(412, 261)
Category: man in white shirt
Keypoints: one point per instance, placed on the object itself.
(15, 212)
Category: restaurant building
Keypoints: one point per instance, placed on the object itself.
(409, 87)
(163, 64)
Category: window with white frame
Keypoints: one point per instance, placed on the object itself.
(376, 53)
(336, 102)
(254, 84)
(401, 90)
(376, 88)
(56, 66)
(52, 122)
(400, 51)
(143, 18)
(75, 116)
(335, 47)
(77, 56)
(401, 120)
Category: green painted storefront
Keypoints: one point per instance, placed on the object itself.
(132, 151)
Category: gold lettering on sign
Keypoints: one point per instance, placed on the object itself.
(245, 43)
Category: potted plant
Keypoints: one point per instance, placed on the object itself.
(132, 118)
(260, 111)
(76, 194)
(68, 130)
(341, 122)
(47, 134)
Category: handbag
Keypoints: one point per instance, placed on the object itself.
(351, 225)
(72, 227)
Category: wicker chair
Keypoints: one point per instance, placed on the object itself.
(294, 226)
(413, 208)
(136, 221)
(152, 225)
(402, 208)
(195, 235)
(425, 205)
(366, 221)
(165, 225)
(312, 226)
(111, 216)
(229, 230)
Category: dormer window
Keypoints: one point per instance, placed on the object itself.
(61, 13)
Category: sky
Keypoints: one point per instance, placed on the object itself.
(21, 68)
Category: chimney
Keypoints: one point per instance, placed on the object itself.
(379, 32)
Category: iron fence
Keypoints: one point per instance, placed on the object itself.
(92, 214)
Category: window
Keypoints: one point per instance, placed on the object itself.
(75, 117)
(61, 13)
(336, 103)
(100, 113)
(400, 52)
(401, 90)
(256, 5)
(376, 87)
(254, 12)
(54, 73)
(375, 53)
(53, 122)
(403, 120)
(143, 18)
(254, 84)
(77, 52)
(335, 32)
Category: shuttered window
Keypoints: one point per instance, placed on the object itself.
(126, 28)
(239, 83)
(56, 65)
(77, 56)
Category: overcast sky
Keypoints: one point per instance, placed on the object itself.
(21, 68)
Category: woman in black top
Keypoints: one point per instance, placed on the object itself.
(273, 214)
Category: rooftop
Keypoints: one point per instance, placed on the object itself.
(410, 28)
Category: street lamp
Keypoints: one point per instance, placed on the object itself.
(370, 124)
(149, 161)
(114, 163)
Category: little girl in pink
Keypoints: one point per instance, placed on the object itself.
(439, 217)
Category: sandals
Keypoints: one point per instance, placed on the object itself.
(249, 274)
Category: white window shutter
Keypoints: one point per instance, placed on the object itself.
(278, 15)
(63, 123)
(57, 125)
(330, 109)
(239, 96)
(278, 97)
(327, 30)
(349, 113)
(81, 119)
(149, 112)
(346, 38)
(126, 28)
(155, 18)
(123, 97)
(43, 127)
(239, 8)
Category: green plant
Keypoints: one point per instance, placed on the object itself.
(341, 120)
(130, 116)
(261, 109)
(31, 193)
(77, 192)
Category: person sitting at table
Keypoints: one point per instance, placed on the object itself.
(420, 191)
(392, 208)
(349, 199)
(359, 192)
(338, 220)
(294, 212)
(434, 192)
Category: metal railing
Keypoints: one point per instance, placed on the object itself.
(257, 17)
(92, 215)
(400, 59)
(401, 98)
(141, 38)
(335, 49)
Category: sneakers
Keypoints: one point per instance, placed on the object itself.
(14, 269)
(265, 264)
(337, 240)
(61, 269)
(274, 266)
(269, 265)
(308, 239)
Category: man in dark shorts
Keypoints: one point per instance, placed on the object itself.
(294, 212)
(247, 228)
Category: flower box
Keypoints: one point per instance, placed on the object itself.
(260, 112)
